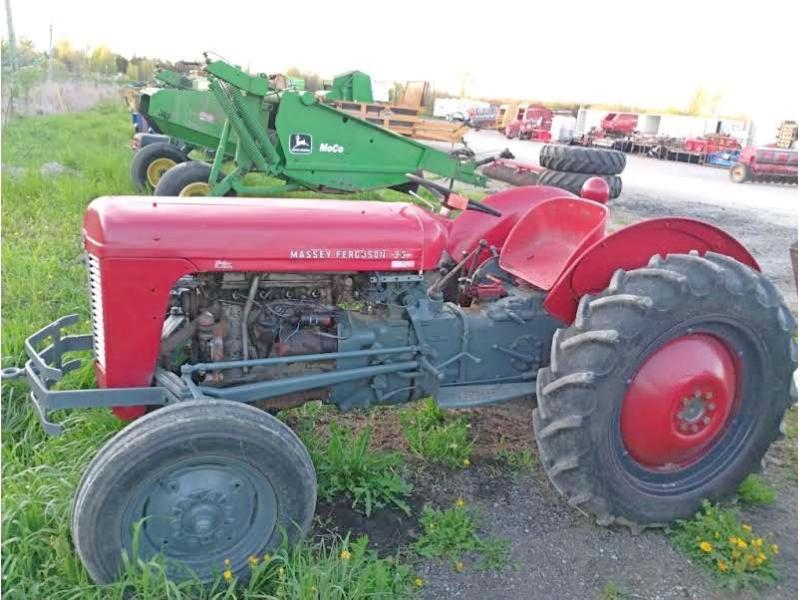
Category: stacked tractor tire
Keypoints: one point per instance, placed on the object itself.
(568, 167)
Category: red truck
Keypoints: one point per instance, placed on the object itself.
(765, 164)
(533, 122)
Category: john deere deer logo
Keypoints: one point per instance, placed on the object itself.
(300, 143)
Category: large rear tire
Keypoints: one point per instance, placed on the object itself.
(203, 481)
(151, 163)
(575, 159)
(668, 388)
(573, 182)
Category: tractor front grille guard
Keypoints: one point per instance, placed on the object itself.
(45, 367)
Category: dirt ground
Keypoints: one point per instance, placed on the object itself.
(555, 551)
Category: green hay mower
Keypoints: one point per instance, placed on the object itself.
(260, 124)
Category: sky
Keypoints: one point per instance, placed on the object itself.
(653, 53)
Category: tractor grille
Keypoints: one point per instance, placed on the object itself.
(96, 299)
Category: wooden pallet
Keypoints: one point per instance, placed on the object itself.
(405, 121)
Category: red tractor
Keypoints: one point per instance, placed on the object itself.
(533, 122)
(778, 165)
(660, 357)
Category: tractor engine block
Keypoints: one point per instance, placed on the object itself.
(235, 316)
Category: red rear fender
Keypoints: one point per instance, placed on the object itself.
(631, 248)
(549, 237)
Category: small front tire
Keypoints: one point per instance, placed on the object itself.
(200, 482)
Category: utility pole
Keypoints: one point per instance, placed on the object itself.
(50, 58)
(12, 55)
(12, 42)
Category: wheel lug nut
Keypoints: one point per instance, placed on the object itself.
(684, 427)
(711, 406)
(694, 428)
(709, 395)
(706, 420)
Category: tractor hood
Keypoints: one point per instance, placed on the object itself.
(271, 234)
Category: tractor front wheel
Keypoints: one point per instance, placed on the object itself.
(187, 179)
(151, 162)
(668, 388)
(201, 483)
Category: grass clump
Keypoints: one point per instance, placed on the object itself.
(611, 591)
(517, 460)
(718, 541)
(347, 467)
(755, 491)
(432, 436)
(452, 532)
(335, 569)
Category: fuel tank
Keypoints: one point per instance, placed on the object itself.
(266, 234)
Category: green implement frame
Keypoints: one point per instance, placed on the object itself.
(291, 136)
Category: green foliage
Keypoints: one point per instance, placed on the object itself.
(755, 490)
(440, 439)
(452, 532)
(348, 467)
(335, 570)
(612, 591)
(718, 541)
(517, 460)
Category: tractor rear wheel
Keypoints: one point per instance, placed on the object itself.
(740, 173)
(668, 388)
(199, 482)
(151, 162)
(187, 179)
(575, 159)
(573, 182)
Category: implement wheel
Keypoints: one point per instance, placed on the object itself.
(187, 179)
(200, 482)
(740, 173)
(151, 162)
(668, 388)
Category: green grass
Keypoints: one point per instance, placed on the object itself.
(517, 460)
(728, 549)
(451, 533)
(43, 279)
(347, 467)
(755, 491)
(435, 437)
(611, 591)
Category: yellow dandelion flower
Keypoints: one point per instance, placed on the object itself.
(466, 462)
(419, 582)
(458, 566)
(741, 543)
(267, 557)
(345, 555)
(722, 565)
(758, 542)
(774, 548)
(227, 563)
(227, 574)
(281, 571)
(747, 527)
(253, 560)
(706, 547)
(733, 540)
(716, 534)
(460, 503)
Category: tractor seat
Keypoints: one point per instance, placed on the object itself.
(550, 236)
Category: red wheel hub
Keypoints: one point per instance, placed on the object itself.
(679, 402)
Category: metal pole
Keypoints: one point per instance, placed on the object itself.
(12, 42)
(50, 58)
